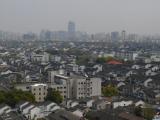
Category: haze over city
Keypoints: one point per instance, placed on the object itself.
(79, 60)
(137, 16)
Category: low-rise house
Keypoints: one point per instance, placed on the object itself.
(128, 116)
(86, 102)
(4, 109)
(146, 83)
(78, 113)
(26, 110)
(147, 66)
(122, 103)
(99, 105)
(21, 104)
(155, 68)
(47, 107)
(147, 95)
(62, 115)
(70, 103)
(139, 103)
(31, 111)
(12, 116)
(136, 67)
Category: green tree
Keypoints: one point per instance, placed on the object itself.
(2, 97)
(82, 60)
(13, 97)
(138, 111)
(54, 96)
(148, 112)
(109, 91)
(102, 60)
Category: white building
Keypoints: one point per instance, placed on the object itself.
(4, 109)
(86, 87)
(42, 57)
(126, 55)
(122, 104)
(39, 91)
(76, 87)
(32, 112)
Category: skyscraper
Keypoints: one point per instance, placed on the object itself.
(71, 27)
(115, 36)
(71, 30)
(123, 35)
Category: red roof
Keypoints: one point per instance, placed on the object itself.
(114, 62)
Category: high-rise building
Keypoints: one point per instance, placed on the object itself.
(71, 30)
(115, 36)
(132, 37)
(123, 35)
(71, 27)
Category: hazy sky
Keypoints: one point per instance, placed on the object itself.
(139, 16)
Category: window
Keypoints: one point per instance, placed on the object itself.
(39, 98)
(39, 93)
(34, 89)
(40, 89)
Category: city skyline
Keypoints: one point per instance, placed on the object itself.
(90, 15)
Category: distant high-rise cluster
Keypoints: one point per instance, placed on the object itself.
(4, 35)
(72, 34)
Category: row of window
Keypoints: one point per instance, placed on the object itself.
(61, 87)
(40, 89)
(84, 83)
(88, 93)
(39, 93)
(85, 88)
